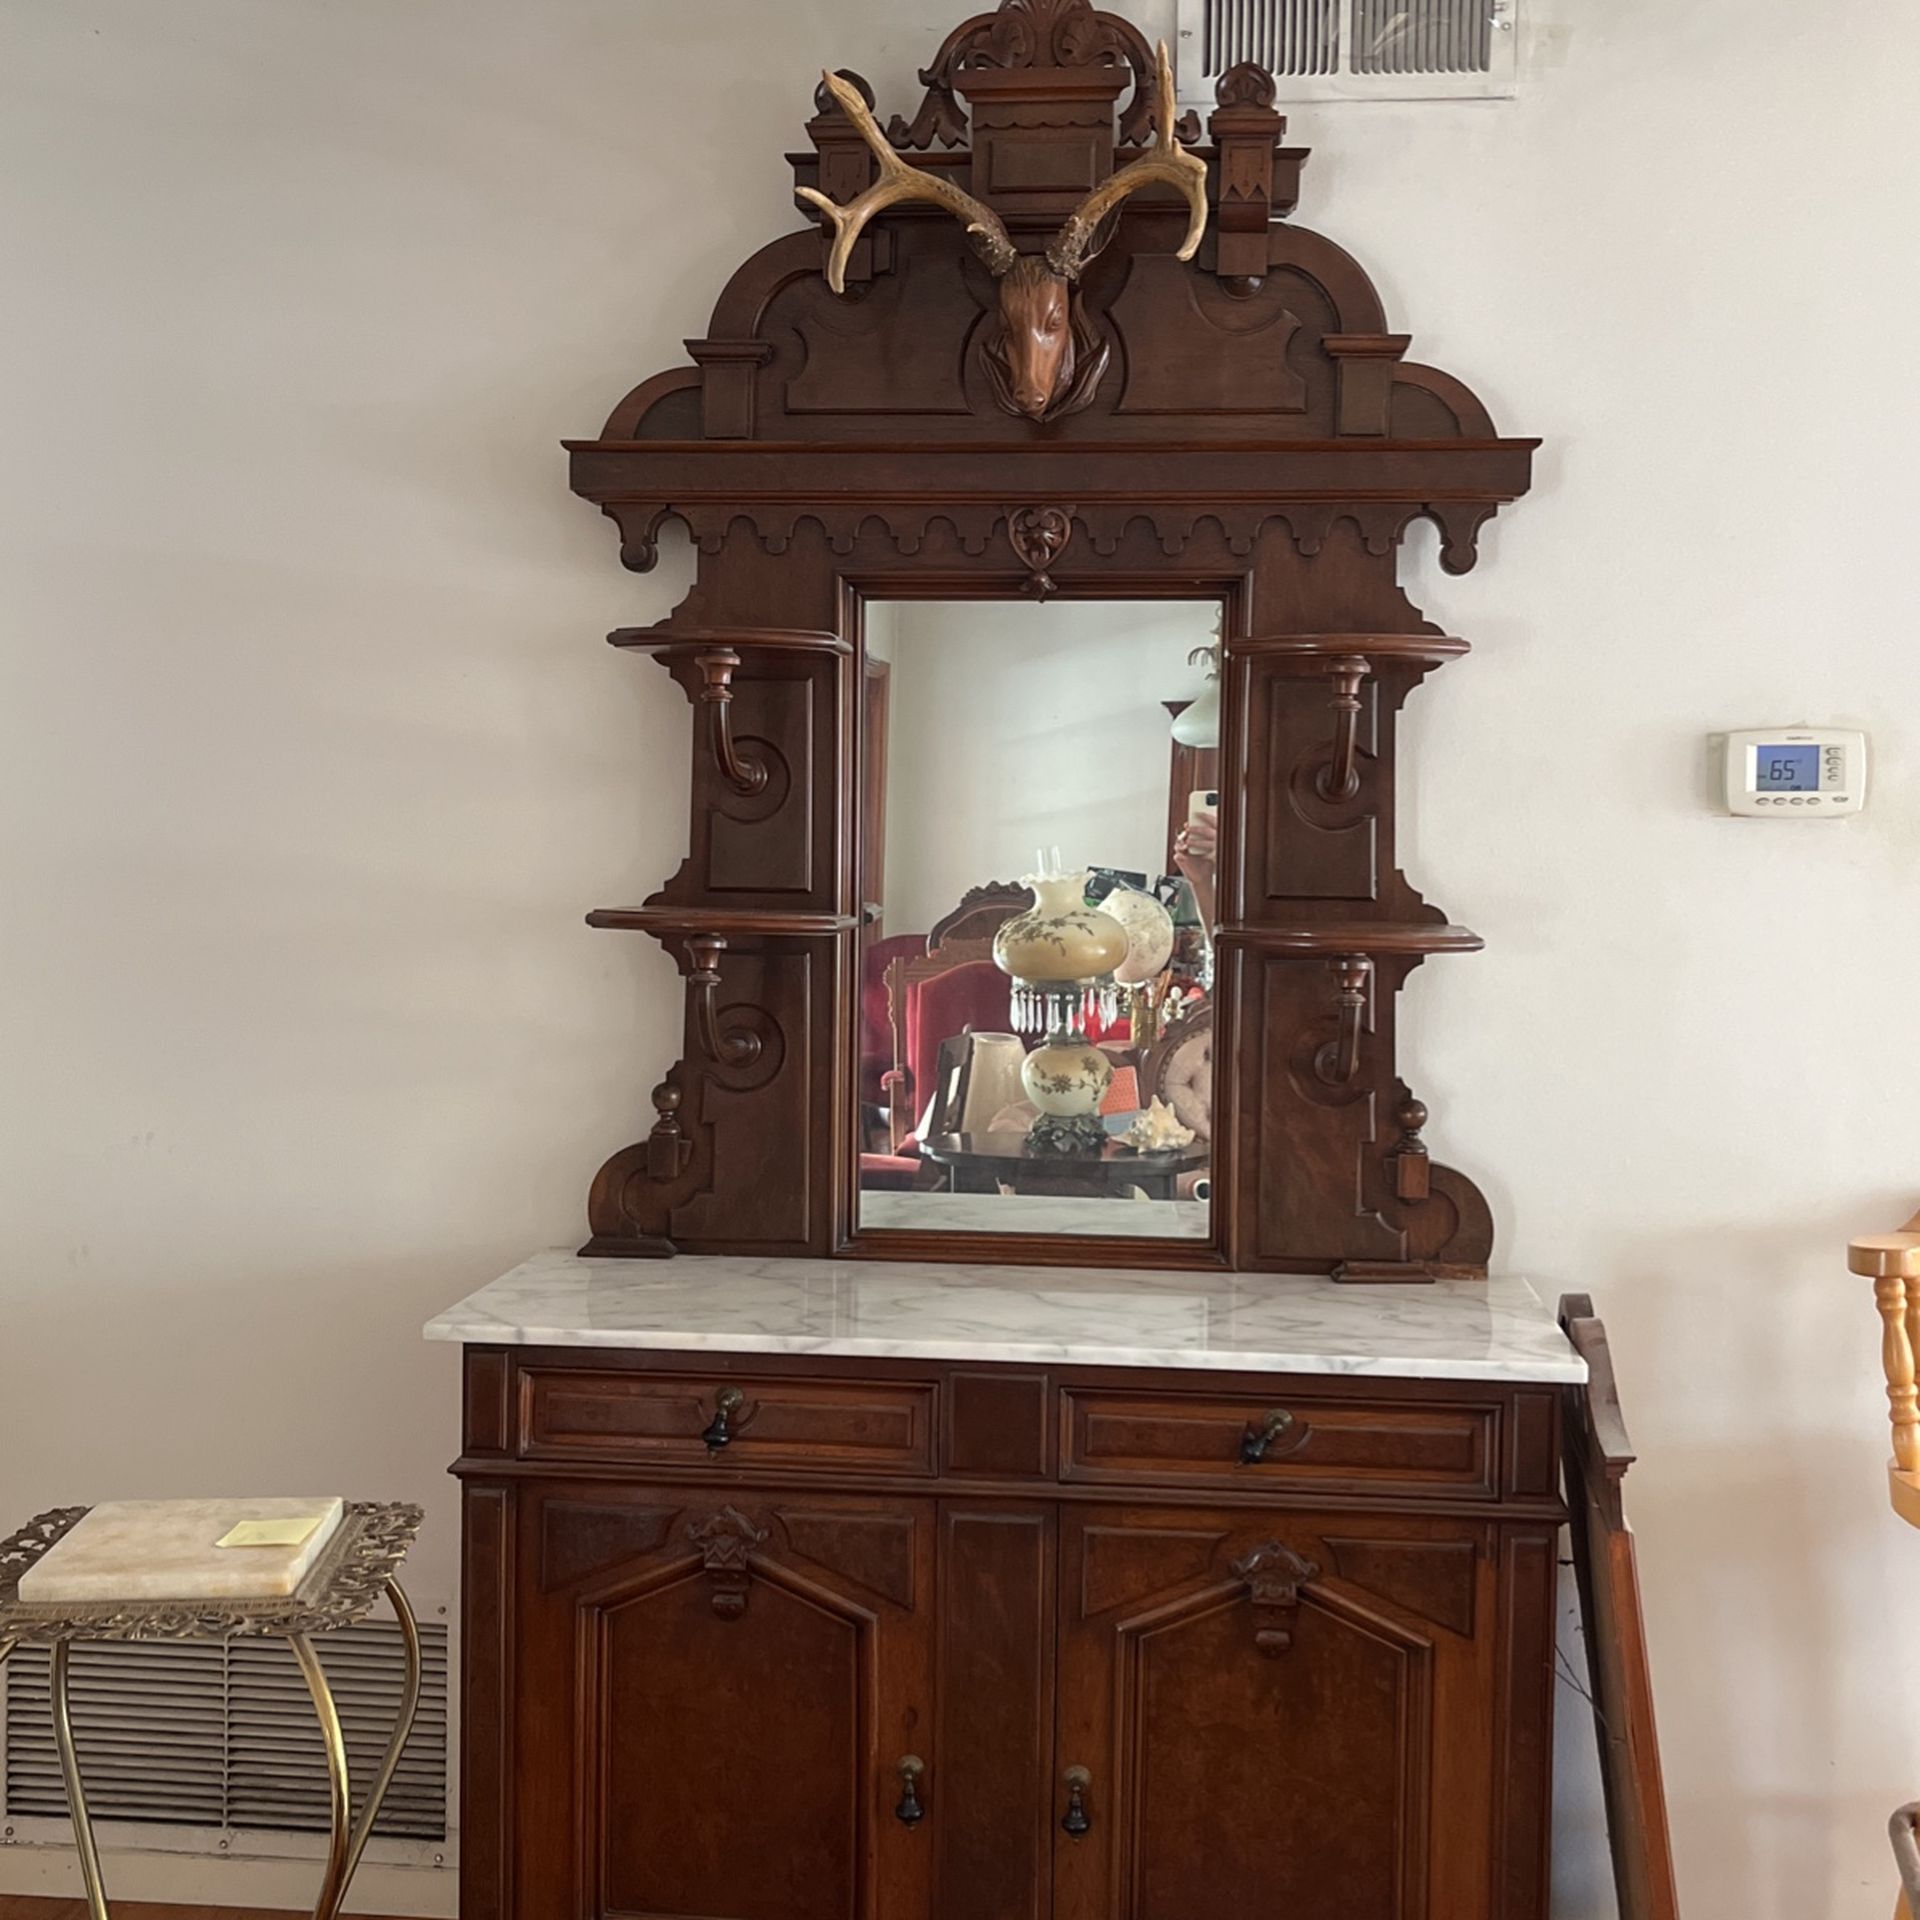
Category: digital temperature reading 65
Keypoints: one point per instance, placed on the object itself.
(1796, 773)
(1787, 769)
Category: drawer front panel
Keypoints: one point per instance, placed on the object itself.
(1348, 1442)
(876, 1426)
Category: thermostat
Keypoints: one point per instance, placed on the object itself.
(1796, 773)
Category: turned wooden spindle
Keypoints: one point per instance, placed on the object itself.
(1892, 1261)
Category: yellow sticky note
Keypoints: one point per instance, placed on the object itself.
(267, 1533)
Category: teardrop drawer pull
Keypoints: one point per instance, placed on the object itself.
(1077, 1821)
(911, 1810)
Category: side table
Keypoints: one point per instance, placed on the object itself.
(358, 1565)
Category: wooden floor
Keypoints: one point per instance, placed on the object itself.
(22, 1906)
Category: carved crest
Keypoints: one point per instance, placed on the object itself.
(1274, 1575)
(725, 1542)
(1024, 34)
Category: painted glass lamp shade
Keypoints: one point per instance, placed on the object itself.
(1059, 938)
(1149, 929)
(1060, 954)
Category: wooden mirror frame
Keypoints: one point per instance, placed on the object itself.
(1258, 437)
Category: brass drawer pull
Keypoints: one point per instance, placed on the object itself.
(728, 1421)
(911, 1810)
(1256, 1442)
(1077, 1822)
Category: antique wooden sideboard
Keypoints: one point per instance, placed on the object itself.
(817, 1569)
(814, 1590)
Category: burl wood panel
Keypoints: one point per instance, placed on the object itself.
(999, 1423)
(1256, 433)
(725, 1707)
(1260, 1732)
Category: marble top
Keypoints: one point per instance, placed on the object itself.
(1287, 1323)
(173, 1550)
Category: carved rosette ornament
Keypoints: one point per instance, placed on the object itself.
(1039, 535)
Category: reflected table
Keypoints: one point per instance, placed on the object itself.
(986, 1162)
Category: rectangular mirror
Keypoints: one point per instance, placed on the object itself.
(1038, 812)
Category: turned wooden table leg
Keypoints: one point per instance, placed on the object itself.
(1892, 1261)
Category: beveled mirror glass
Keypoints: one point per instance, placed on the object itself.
(1038, 815)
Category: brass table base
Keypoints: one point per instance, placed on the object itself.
(339, 1591)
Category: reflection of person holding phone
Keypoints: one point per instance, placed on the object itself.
(1195, 850)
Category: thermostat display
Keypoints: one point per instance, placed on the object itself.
(1788, 773)
(1786, 769)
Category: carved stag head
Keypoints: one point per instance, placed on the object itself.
(1048, 356)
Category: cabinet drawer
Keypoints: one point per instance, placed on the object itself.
(1341, 1442)
(877, 1426)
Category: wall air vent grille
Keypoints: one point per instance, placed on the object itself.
(1352, 49)
(222, 1735)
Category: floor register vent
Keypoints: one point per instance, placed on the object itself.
(220, 1738)
(1352, 49)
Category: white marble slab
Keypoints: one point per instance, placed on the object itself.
(1451, 1330)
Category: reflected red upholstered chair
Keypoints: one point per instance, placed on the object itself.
(961, 943)
(974, 996)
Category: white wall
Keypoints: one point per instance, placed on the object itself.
(312, 757)
(1020, 725)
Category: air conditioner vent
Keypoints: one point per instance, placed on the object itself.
(223, 1734)
(1351, 49)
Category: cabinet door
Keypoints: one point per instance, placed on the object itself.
(715, 1692)
(1252, 1705)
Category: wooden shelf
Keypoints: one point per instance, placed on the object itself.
(1420, 649)
(725, 921)
(741, 639)
(1355, 936)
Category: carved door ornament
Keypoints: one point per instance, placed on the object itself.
(725, 1542)
(1274, 1575)
(1037, 338)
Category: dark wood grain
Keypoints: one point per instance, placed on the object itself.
(847, 1425)
(1239, 1772)
(666, 1647)
(1343, 1440)
(1599, 1453)
(1258, 436)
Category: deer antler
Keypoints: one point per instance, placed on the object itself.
(1167, 161)
(899, 182)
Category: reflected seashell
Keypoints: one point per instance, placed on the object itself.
(1158, 1130)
